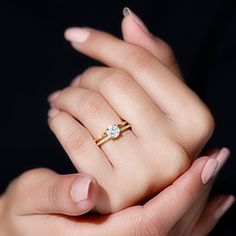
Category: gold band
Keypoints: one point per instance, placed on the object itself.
(112, 132)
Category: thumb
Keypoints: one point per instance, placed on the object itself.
(42, 191)
(135, 32)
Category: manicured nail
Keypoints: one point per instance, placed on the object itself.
(53, 112)
(53, 96)
(135, 18)
(80, 189)
(77, 35)
(224, 207)
(222, 157)
(76, 81)
(208, 170)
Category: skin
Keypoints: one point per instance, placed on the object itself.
(39, 203)
(28, 208)
(142, 85)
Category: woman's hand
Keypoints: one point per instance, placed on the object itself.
(170, 124)
(39, 203)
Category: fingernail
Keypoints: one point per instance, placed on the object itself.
(53, 96)
(77, 35)
(222, 157)
(53, 112)
(224, 206)
(208, 170)
(80, 189)
(135, 18)
(76, 81)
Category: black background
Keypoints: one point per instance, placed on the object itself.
(36, 60)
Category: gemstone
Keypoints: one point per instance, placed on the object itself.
(113, 131)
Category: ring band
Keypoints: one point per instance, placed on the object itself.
(112, 132)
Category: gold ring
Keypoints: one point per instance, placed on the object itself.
(112, 132)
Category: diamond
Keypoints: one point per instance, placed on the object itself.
(113, 131)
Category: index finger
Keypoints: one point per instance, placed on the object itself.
(164, 87)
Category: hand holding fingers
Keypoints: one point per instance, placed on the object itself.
(126, 154)
(42, 191)
(39, 202)
(107, 95)
(155, 217)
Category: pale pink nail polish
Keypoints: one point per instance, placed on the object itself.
(53, 96)
(208, 170)
(80, 189)
(76, 81)
(224, 207)
(135, 18)
(222, 157)
(77, 35)
(53, 112)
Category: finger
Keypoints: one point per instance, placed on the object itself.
(135, 32)
(89, 107)
(127, 98)
(215, 209)
(190, 219)
(172, 95)
(152, 218)
(42, 191)
(181, 195)
(92, 110)
(80, 146)
(159, 215)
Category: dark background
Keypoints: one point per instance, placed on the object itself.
(36, 60)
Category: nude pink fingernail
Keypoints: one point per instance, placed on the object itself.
(208, 170)
(224, 206)
(135, 18)
(77, 35)
(222, 157)
(53, 112)
(53, 96)
(80, 189)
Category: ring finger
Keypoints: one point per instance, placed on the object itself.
(91, 109)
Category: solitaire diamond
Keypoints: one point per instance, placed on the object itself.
(113, 131)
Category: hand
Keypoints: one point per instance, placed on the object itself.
(139, 88)
(38, 203)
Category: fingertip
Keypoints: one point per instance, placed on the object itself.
(53, 112)
(77, 34)
(84, 193)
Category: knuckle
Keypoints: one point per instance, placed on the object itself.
(91, 70)
(179, 159)
(92, 103)
(74, 140)
(54, 196)
(140, 59)
(205, 124)
(115, 79)
(145, 186)
(71, 139)
(168, 54)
